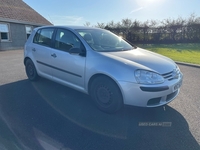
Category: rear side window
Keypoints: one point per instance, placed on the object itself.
(44, 37)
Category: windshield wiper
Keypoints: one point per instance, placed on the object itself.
(133, 45)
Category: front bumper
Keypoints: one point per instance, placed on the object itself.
(150, 95)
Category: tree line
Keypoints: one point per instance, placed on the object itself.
(167, 31)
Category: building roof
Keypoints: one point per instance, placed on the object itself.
(19, 12)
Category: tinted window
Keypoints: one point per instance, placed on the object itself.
(66, 40)
(43, 37)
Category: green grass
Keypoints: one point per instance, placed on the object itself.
(189, 53)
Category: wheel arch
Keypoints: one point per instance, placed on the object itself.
(103, 75)
(31, 70)
(25, 59)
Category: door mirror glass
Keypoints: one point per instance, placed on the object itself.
(77, 51)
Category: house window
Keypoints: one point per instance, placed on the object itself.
(4, 32)
(28, 31)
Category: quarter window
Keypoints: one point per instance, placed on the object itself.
(44, 37)
(4, 32)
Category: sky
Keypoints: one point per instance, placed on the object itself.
(78, 12)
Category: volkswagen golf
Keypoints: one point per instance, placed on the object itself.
(99, 63)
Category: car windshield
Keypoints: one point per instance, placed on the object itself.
(103, 40)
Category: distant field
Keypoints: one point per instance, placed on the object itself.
(189, 53)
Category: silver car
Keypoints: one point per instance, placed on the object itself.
(103, 65)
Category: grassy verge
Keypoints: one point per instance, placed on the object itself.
(189, 53)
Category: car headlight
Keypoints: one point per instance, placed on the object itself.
(148, 77)
(178, 71)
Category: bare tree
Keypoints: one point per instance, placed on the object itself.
(87, 24)
(193, 28)
(126, 23)
(136, 31)
(100, 25)
(111, 24)
(173, 27)
(168, 30)
(145, 26)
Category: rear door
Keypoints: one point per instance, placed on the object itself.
(41, 50)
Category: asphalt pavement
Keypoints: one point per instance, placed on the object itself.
(44, 115)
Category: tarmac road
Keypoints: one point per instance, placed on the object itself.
(44, 115)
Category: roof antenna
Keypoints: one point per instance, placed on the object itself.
(51, 20)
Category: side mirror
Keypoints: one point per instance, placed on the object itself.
(77, 51)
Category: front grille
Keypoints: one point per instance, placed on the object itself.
(168, 76)
(174, 74)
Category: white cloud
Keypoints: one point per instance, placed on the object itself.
(66, 20)
(137, 9)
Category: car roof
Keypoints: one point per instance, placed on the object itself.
(68, 27)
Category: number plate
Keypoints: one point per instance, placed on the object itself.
(177, 86)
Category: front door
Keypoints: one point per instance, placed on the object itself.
(68, 68)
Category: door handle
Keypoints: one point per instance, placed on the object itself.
(33, 49)
(53, 55)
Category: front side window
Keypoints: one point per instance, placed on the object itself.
(103, 40)
(44, 37)
(4, 32)
(66, 40)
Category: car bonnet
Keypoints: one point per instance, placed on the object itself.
(153, 61)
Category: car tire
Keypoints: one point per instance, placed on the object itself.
(106, 94)
(31, 72)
